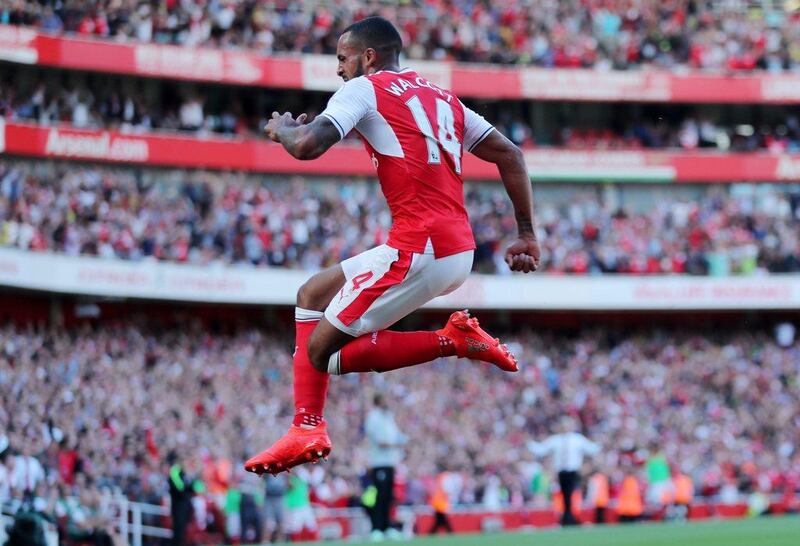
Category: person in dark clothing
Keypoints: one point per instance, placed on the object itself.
(568, 482)
(440, 521)
(180, 494)
(251, 519)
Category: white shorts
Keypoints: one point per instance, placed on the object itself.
(384, 284)
(300, 518)
(233, 525)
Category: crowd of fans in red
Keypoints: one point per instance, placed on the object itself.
(86, 101)
(604, 34)
(204, 217)
(719, 407)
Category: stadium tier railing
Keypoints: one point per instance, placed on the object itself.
(317, 72)
(346, 159)
(244, 284)
(130, 526)
(334, 523)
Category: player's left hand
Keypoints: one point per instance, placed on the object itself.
(523, 254)
(280, 121)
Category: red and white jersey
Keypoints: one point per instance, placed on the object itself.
(415, 133)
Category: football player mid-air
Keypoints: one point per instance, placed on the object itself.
(415, 133)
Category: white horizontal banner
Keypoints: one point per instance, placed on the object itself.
(626, 292)
(221, 284)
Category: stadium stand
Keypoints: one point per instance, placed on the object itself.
(114, 212)
(97, 101)
(722, 405)
(574, 33)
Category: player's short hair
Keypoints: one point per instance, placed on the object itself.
(376, 33)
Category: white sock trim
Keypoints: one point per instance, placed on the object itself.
(303, 315)
(334, 363)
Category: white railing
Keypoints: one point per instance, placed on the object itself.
(132, 531)
(129, 521)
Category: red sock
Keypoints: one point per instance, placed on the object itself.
(386, 350)
(310, 385)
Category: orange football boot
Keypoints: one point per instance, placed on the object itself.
(296, 447)
(474, 342)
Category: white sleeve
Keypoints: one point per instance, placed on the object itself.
(374, 428)
(476, 128)
(542, 449)
(349, 104)
(589, 447)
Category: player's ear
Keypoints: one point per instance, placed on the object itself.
(370, 57)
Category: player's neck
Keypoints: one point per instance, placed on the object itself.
(389, 67)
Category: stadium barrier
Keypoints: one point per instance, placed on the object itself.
(317, 72)
(129, 522)
(244, 284)
(352, 523)
(260, 155)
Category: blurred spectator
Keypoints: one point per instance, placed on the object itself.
(630, 506)
(27, 472)
(251, 522)
(301, 522)
(5, 483)
(191, 114)
(87, 521)
(440, 503)
(180, 494)
(568, 448)
(683, 495)
(275, 491)
(660, 489)
(232, 507)
(598, 494)
(385, 442)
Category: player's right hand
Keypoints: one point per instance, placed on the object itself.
(279, 121)
(523, 254)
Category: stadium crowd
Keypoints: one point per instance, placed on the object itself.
(575, 33)
(87, 101)
(720, 407)
(688, 133)
(205, 217)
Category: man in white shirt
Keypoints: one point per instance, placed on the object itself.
(568, 449)
(27, 472)
(383, 455)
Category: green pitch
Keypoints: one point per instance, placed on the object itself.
(776, 531)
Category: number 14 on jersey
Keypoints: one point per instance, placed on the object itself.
(444, 137)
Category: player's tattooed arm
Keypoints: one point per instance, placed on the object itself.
(300, 140)
(522, 254)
